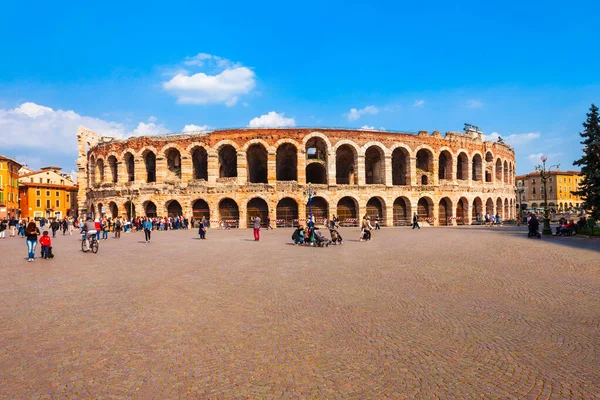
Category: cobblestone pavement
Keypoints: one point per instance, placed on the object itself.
(441, 313)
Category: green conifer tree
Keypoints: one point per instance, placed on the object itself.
(590, 164)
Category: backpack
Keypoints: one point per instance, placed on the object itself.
(118, 224)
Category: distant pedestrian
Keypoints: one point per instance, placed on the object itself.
(256, 226)
(415, 221)
(31, 234)
(377, 223)
(147, 225)
(269, 223)
(54, 226)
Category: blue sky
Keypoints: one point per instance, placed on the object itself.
(527, 72)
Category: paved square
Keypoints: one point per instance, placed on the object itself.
(436, 313)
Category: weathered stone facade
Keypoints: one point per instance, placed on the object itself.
(234, 174)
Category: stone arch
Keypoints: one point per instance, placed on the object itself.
(229, 211)
(316, 173)
(100, 170)
(227, 161)
(401, 166)
(314, 135)
(257, 206)
(130, 210)
(287, 210)
(374, 165)
(346, 164)
(462, 207)
(445, 165)
(174, 208)
(499, 208)
(256, 161)
(129, 160)
(506, 214)
(317, 148)
(150, 209)
(199, 162)
(99, 212)
(444, 211)
(499, 170)
(462, 166)
(320, 208)
(401, 211)
(149, 158)
(376, 209)
(477, 211)
(477, 168)
(489, 166)
(347, 209)
(286, 162)
(200, 208)
(506, 173)
(259, 142)
(173, 157)
(113, 168)
(425, 208)
(489, 206)
(114, 209)
(424, 165)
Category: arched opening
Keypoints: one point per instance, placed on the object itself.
(461, 211)
(286, 161)
(229, 212)
(150, 163)
(477, 168)
(401, 212)
(425, 208)
(506, 210)
(130, 210)
(424, 165)
(477, 212)
(489, 206)
(227, 162)
(444, 211)
(462, 167)
(445, 165)
(200, 163)
(376, 210)
(400, 166)
(506, 172)
(347, 210)
(100, 170)
(374, 166)
(346, 165)
(99, 213)
(174, 209)
(489, 166)
(92, 171)
(113, 167)
(150, 210)
(320, 208)
(287, 212)
(173, 164)
(499, 208)
(256, 157)
(130, 167)
(316, 173)
(257, 207)
(114, 210)
(498, 170)
(316, 149)
(200, 209)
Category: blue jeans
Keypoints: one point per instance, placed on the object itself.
(45, 251)
(98, 235)
(104, 234)
(31, 248)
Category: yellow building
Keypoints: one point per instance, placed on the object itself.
(9, 187)
(47, 194)
(560, 186)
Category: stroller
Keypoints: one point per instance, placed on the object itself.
(320, 239)
(336, 238)
(534, 226)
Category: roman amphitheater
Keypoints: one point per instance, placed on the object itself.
(232, 175)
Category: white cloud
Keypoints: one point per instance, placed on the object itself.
(223, 84)
(535, 159)
(271, 120)
(367, 128)
(148, 129)
(516, 139)
(474, 104)
(419, 103)
(355, 114)
(196, 128)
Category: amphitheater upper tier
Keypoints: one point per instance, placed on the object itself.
(233, 175)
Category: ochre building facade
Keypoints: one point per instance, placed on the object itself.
(233, 175)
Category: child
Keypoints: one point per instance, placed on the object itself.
(45, 243)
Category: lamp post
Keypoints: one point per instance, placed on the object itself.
(519, 189)
(546, 230)
(131, 198)
(310, 191)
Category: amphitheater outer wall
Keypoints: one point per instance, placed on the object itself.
(447, 179)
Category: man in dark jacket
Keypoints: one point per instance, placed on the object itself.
(416, 221)
(54, 226)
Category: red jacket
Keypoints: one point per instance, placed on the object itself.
(45, 241)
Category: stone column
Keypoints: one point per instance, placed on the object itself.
(187, 169)
(301, 167)
(413, 180)
(453, 215)
(302, 212)
(389, 212)
(272, 169)
(122, 177)
(388, 171)
(436, 212)
(161, 169)
(436, 171)
(454, 169)
(331, 170)
(242, 170)
(139, 170)
(214, 215)
(273, 212)
(243, 212)
(469, 209)
(362, 179)
(213, 167)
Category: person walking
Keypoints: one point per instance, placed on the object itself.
(147, 226)
(105, 228)
(256, 226)
(70, 225)
(269, 223)
(377, 223)
(415, 221)
(366, 229)
(118, 227)
(3, 227)
(31, 234)
(54, 226)
(12, 226)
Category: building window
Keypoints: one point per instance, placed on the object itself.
(41, 180)
(38, 192)
(57, 194)
(48, 204)
(533, 190)
(67, 198)
(57, 203)
(533, 180)
(38, 203)
(47, 193)
(550, 179)
(47, 180)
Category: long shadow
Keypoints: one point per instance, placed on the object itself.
(576, 241)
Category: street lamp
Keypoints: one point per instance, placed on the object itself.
(131, 197)
(310, 191)
(519, 189)
(546, 230)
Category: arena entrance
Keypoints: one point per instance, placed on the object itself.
(347, 211)
(229, 212)
(425, 209)
(444, 211)
(461, 211)
(320, 208)
(477, 213)
(257, 206)
(200, 209)
(129, 210)
(401, 212)
(150, 210)
(287, 212)
(376, 210)
(174, 209)
(114, 210)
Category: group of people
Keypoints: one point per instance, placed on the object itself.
(491, 219)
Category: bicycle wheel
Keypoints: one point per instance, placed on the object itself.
(94, 246)
(83, 246)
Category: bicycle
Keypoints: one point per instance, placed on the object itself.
(93, 244)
